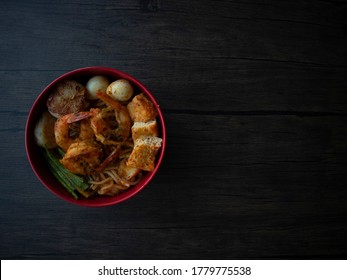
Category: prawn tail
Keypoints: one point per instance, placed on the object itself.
(109, 100)
(76, 117)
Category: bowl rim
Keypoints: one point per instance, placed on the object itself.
(102, 201)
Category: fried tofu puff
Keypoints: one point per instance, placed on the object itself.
(144, 152)
(141, 109)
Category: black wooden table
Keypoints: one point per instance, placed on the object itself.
(254, 95)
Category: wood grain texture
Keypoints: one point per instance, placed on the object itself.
(254, 98)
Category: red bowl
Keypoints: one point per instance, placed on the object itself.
(35, 154)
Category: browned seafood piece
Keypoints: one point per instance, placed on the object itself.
(68, 97)
(83, 157)
(71, 128)
(111, 125)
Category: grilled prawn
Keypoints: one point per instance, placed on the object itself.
(83, 157)
(111, 125)
(71, 128)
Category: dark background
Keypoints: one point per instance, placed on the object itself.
(254, 95)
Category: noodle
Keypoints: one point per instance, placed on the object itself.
(108, 182)
(96, 182)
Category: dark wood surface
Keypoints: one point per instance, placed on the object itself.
(255, 101)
